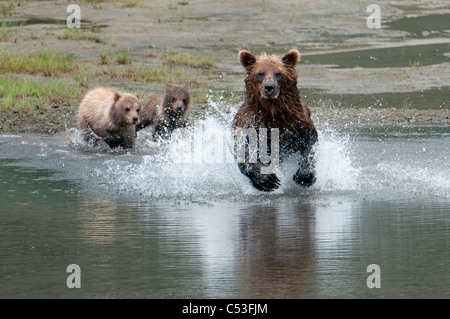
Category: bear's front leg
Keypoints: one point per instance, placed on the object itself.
(262, 182)
(128, 136)
(306, 173)
(113, 140)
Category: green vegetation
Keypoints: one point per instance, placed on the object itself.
(35, 83)
(122, 58)
(193, 61)
(105, 54)
(108, 57)
(32, 82)
(125, 3)
(45, 63)
(79, 34)
(146, 74)
(164, 74)
(27, 93)
(179, 14)
(134, 4)
(5, 33)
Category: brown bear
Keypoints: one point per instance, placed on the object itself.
(272, 100)
(110, 115)
(165, 112)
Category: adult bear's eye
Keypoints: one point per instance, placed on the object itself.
(261, 75)
(278, 76)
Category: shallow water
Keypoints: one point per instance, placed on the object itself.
(142, 224)
(391, 57)
(433, 99)
(415, 25)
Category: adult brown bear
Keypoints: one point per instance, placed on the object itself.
(272, 100)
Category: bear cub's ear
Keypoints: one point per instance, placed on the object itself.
(136, 95)
(116, 96)
(291, 58)
(247, 59)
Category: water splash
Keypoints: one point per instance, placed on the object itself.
(385, 167)
(164, 171)
(335, 168)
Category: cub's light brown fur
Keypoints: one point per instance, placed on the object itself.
(166, 112)
(111, 115)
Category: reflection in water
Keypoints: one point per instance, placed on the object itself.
(276, 250)
(101, 222)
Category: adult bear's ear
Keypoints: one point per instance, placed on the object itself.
(247, 59)
(291, 58)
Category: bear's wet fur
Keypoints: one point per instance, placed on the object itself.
(272, 100)
(110, 115)
(165, 113)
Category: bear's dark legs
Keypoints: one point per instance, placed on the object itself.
(306, 173)
(113, 141)
(262, 182)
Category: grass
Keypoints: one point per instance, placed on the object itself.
(30, 93)
(34, 83)
(190, 60)
(122, 58)
(5, 33)
(163, 74)
(107, 57)
(78, 34)
(105, 54)
(134, 4)
(125, 3)
(147, 74)
(45, 63)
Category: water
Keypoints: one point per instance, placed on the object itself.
(141, 225)
(33, 20)
(432, 99)
(391, 57)
(415, 25)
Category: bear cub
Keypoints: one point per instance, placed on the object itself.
(272, 100)
(165, 113)
(110, 115)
